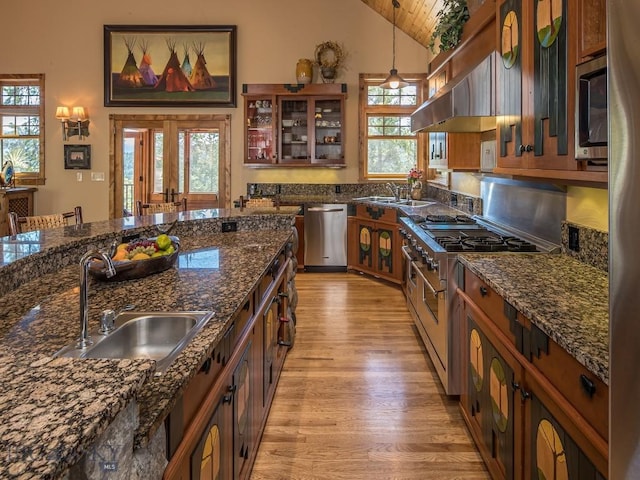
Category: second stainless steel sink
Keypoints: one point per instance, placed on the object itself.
(159, 336)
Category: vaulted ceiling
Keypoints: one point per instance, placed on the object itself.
(416, 18)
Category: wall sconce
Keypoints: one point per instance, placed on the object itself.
(75, 124)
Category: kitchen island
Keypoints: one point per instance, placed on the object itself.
(40, 314)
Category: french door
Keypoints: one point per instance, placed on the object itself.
(167, 158)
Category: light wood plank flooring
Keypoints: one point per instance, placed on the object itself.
(358, 397)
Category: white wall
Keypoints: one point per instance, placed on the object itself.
(63, 40)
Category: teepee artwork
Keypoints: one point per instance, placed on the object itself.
(186, 63)
(148, 75)
(166, 65)
(200, 77)
(172, 78)
(130, 76)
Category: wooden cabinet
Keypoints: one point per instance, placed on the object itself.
(294, 125)
(374, 244)
(592, 28)
(524, 399)
(454, 151)
(535, 91)
(215, 427)
(490, 403)
(212, 456)
(19, 200)
(299, 224)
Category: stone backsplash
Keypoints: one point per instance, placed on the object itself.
(593, 246)
(346, 190)
(460, 201)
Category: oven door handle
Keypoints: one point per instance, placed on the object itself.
(426, 282)
(405, 252)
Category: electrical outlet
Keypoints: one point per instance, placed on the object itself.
(470, 205)
(338, 190)
(574, 239)
(229, 226)
(278, 189)
(454, 199)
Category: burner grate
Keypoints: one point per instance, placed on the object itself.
(486, 242)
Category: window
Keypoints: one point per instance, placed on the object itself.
(389, 149)
(22, 134)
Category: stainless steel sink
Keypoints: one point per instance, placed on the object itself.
(393, 202)
(376, 199)
(413, 203)
(159, 336)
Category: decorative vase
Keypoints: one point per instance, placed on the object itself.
(328, 74)
(416, 190)
(304, 70)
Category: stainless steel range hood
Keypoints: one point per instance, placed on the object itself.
(468, 105)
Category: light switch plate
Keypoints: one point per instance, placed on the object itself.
(79, 176)
(97, 176)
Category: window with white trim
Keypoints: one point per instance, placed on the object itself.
(22, 126)
(388, 148)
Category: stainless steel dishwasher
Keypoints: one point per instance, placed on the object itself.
(325, 237)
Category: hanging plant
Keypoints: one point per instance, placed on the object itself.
(449, 22)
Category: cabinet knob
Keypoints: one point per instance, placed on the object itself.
(588, 385)
(483, 291)
(525, 148)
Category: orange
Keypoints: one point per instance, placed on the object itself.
(121, 254)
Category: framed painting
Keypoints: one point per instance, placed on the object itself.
(77, 157)
(176, 66)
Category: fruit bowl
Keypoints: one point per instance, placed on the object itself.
(132, 269)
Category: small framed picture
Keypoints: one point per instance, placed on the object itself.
(77, 157)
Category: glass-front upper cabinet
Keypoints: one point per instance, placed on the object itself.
(260, 138)
(294, 125)
(295, 138)
(328, 118)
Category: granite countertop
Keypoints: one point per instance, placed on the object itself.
(568, 300)
(215, 271)
(52, 410)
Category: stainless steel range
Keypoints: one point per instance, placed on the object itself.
(433, 236)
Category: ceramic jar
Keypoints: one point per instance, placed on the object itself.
(304, 70)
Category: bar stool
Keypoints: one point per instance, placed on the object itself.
(41, 222)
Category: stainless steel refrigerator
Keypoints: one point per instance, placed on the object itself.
(623, 30)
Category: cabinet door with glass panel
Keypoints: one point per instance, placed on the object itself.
(260, 134)
(294, 125)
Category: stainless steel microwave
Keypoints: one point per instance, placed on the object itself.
(591, 111)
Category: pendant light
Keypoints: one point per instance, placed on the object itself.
(394, 80)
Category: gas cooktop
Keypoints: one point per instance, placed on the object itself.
(479, 240)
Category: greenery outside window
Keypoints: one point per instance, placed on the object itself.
(22, 126)
(389, 149)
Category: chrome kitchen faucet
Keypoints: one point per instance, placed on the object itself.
(84, 341)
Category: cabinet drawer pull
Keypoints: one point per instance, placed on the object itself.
(483, 291)
(587, 385)
(206, 366)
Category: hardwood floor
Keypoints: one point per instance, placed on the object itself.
(358, 397)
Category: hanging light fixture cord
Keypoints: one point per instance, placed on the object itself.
(395, 4)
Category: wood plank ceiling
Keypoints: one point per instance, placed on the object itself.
(416, 18)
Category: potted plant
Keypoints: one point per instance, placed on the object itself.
(450, 20)
(329, 56)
